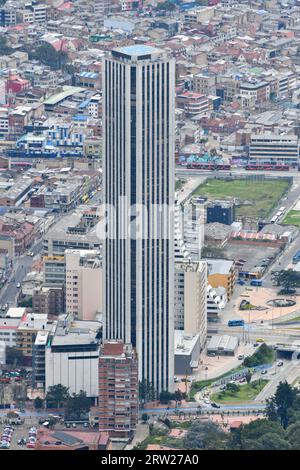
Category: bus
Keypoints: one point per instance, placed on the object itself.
(256, 282)
(236, 323)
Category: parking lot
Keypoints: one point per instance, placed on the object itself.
(253, 255)
(20, 431)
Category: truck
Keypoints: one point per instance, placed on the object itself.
(256, 282)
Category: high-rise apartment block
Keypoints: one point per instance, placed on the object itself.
(118, 389)
(190, 298)
(138, 121)
(83, 283)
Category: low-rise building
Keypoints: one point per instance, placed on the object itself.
(221, 272)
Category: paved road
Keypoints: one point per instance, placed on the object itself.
(22, 266)
(185, 172)
(289, 373)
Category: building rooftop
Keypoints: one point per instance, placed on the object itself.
(184, 344)
(219, 266)
(137, 51)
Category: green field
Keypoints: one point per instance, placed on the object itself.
(292, 218)
(246, 393)
(261, 196)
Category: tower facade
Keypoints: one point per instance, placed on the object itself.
(138, 170)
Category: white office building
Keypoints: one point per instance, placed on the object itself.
(72, 356)
(138, 132)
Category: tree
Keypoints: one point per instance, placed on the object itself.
(166, 6)
(4, 49)
(165, 396)
(38, 403)
(14, 356)
(288, 279)
(145, 418)
(233, 388)
(78, 405)
(47, 55)
(146, 392)
(178, 395)
(248, 436)
(248, 377)
(205, 435)
(272, 441)
(293, 435)
(281, 403)
(57, 396)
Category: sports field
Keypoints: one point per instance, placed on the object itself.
(255, 199)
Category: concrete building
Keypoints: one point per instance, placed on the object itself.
(77, 231)
(274, 148)
(187, 352)
(138, 98)
(118, 389)
(49, 300)
(221, 272)
(216, 301)
(27, 331)
(190, 298)
(223, 345)
(71, 440)
(8, 330)
(220, 211)
(72, 356)
(38, 359)
(54, 270)
(83, 283)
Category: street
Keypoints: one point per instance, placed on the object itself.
(22, 265)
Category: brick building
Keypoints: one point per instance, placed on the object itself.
(118, 389)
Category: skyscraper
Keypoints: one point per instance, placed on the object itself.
(138, 132)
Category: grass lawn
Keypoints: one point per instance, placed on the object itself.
(200, 385)
(246, 393)
(292, 218)
(263, 196)
(179, 184)
(292, 320)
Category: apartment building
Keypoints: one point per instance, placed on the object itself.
(83, 283)
(252, 93)
(204, 83)
(49, 300)
(27, 331)
(221, 272)
(194, 104)
(190, 312)
(118, 389)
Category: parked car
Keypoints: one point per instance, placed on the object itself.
(280, 363)
(241, 357)
(215, 405)
(263, 372)
(18, 285)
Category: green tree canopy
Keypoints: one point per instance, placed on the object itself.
(78, 405)
(279, 406)
(57, 396)
(205, 435)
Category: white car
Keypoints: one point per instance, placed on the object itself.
(18, 285)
